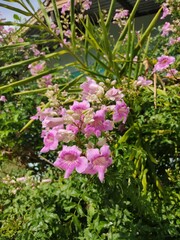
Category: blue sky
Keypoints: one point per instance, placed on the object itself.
(8, 14)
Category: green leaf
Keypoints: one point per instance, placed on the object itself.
(76, 223)
(159, 91)
(127, 134)
(31, 5)
(25, 62)
(45, 15)
(110, 13)
(15, 9)
(89, 33)
(16, 17)
(57, 16)
(144, 181)
(42, 90)
(72, 18)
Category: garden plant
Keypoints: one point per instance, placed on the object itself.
(89, 148)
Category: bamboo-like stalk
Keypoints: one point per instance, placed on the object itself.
(72, 19)
(110, 13)
(155, 90)
(57, 16)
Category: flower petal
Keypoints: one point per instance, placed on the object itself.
(92, 153)
(83, 164)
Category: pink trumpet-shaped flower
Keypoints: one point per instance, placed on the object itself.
(166, 28)
(79, 107)
(36, 68)
(65, 7)
(69, 159)
(142, 81)
(50, 141)
(86, 4)
(163, 63)
(172, 72)
(91, 90)
(166, 11)
(100, 160)
(114, 94)
(121, 112)
(98, 125)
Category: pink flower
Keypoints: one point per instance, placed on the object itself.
(121, 112)
(48, 79)
(100, 160)
(65, 7)
(79, 107)
(22, 179)
(99, 124)
(41, 115)
(53, 25)
(73, 128)
(86, 4)
(69, 159)
(172, 72)
(163, 63)
(91, 90)
(121, 14)
(166, 28)
(57, 31)
(10, 29)
(35, 50)
(173, 41)
(35, 69)
(3, 98)
(65, 135)
(52, 122)
(114, 94)
(166, 11)
(50, 141)
(142, 81)
(65, 42)
(68, 33)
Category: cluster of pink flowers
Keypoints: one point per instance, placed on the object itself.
(82, 125)
(36, 51)
(164, 62)
(36, 68)
(173, 41)
(5, 31)
(120, 14)
(85, 5)
(120, 17)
